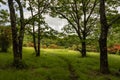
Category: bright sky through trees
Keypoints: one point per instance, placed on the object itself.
(55, 23)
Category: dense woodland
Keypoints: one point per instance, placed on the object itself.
(93, 26)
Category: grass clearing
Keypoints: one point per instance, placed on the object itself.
(54, 64)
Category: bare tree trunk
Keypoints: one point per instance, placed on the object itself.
(104, 68)
(22, 28)
(34, 39)
(83, 51)
(17, 36)
(38, 52)
(33, 24)
(16, 54)
(83, 41)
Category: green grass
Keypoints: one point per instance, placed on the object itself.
(54, 65)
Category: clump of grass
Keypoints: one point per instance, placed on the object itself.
(19, 65)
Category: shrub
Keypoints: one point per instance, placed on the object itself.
(5, 38)
(25, 45)
(53, 46)
(44, 46)
(114, 49)
(29, 44)
(91, 48)
(73, 47)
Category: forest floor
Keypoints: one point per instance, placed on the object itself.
(58, 64)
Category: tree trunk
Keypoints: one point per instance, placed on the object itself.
(38, 52)
(34, 42)
(103, 39)
(34, 38)
(16, 54)
(103, 53)
(83, 51)
(33, 24)
(83, 40)
(22, 28)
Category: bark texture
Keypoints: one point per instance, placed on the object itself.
(17, 35)
(104, 68)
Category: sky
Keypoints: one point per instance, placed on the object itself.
(56, 23)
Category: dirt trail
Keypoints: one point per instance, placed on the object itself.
(73, 75)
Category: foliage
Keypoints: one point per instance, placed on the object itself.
(40, 7)
(83, 27)
(28, 44)
(4, 17)
(113, 36)
(69, 40)
(79, 14)
(53, 46)
(114, 49)
(3, 2)
(5, 38)
(44, 46)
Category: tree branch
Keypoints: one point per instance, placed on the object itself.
(113, 21)
(30, 19)
(95, 3)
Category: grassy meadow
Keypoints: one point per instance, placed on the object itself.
(58, 64)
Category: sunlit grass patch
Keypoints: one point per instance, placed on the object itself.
(53, 64)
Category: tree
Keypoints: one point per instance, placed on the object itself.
(104, 68)
(78, 13)
(42, 7)
(17, 34)
(33, 24)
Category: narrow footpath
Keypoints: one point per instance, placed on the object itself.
(73, 75)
